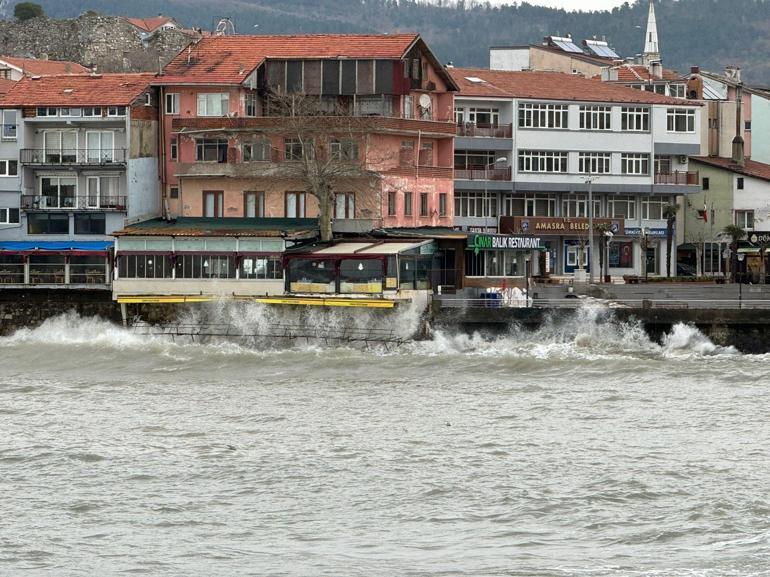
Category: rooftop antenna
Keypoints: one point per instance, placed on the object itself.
(224, 27)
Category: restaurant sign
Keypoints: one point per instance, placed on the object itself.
(478, 242)
(759, 237)
(555, 225)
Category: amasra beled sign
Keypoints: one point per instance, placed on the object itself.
(478, 242)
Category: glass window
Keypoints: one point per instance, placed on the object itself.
(391, 203)
(680, 120)
(215, 104)
(259, 150)
(9, 168)
(213, 203)
(145, 266)
(9, 216)
(261, 267)
(251, 104)
(652, 208)
(296, 205)
(344, 149)
(594, 162)
(542, 161)
(595, 118)
(47, 223)
(174, 152)
(637, 164)
(744, 219)
(89, 223)
(423, 204)
(635, 118)
(621, 206)
(172, 104)
(253, 204)
(211, 150)
(116, 111)
(475, 204)
(535, 115)
(57, 192)
(345, 205)
(540, 205)
(408, 204)
(9, 125)
(442, 204)
(92, 111)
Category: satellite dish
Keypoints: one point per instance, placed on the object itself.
(425, 100)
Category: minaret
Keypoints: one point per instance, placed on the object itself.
(651, 48)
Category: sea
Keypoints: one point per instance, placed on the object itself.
(580, 449)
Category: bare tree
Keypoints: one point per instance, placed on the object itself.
(697, 239)
(669, 213)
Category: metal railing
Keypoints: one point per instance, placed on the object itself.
(89, 156)
(486, 130)
(575, 303)
(42, 202)
(677, 177)
(483, 174)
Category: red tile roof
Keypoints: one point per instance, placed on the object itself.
(35, 67)
(637, 72)
(6, 85)
(551, 86)
(150, 24)
(230, 59)
(750, 168)
(78, 90)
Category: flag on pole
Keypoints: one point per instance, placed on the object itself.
(705, 212)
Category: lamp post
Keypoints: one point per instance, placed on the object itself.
(487, 207)
(589, 181)
(646, 232)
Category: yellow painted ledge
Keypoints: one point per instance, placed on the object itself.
(276, 300)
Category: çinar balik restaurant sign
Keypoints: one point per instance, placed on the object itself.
(554, 225)
(481, 241)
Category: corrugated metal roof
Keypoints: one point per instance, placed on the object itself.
(200, 226)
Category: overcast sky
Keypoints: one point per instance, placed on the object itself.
(580, 4)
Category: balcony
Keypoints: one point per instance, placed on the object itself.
(483, 174)
(74, 156)
(39, 202)
(681, 177)
(485, 130)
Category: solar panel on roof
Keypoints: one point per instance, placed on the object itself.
(567, 46)
(601, 49)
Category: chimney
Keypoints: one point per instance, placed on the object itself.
(738, 157)
(694, 69)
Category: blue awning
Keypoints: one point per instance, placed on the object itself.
(56, 246)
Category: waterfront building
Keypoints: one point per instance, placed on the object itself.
(230, 150)
(532, 147)
(78, 160)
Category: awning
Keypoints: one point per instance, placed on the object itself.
(748, 250)
(99, 247)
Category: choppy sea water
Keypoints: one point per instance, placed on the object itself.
(580, 449)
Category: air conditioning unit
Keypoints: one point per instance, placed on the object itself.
(682, 159)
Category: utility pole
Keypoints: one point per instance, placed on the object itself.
(589, 181)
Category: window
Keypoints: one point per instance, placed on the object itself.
(296, 205)
(442, 204)
(216, 104)
(475, 204)
(99, 146)
(391, 203)
(48, 223)
(9, 167)
(147, 99)
(595, 117)
(213, 203)
(484, 117)
(173, 192)
(576, 205)
(621, 206)
(744, 219)
(706, 183)
(70, 112)
(680, 120)
(204, 266)
(542, 115)
(344, 149)
(92, 112)
(103, 191)
(662, 164)
(513, 205)
(740, 183)
(345, 205)
(408, 106)
(172, 104)
(261, 267)
(116, 111)
(406, 153)
(293, 149)
(408, 204)
(426, 154)
(253, 204)
(635, 119)
(174, 151)
(635, 164)
(676, 90)
(145, 266)
(9, 216)
(474, 159)
(258, 150)
(652, 208)
(459, 115)
(251, 104)
(9, 125)
(594, 162)
(423, 204)
(540, 205)
(47, 111)
(211, 150)
(60, 146)
(57, 192)
(89, 223)
(747, 125)
(541, 161)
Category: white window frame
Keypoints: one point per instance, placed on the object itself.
(94, 112)
(116, 111)
(5, 215)
(634, 164)
(103, 154)
(676, 90)
(5, 168)
(624, 199)
(10, 134)
(148, 99)
(595, 163)
(208, 102)
(576, 206)
(250, 101)
(48, 111)
(58, 180)
(473, 204)
(680, 120)
(543, 161)
(543, 115)
(532, 202)
(649, 203)
(345, 205)
(595, 118)
(742, 218)
(494, 115)
(173, 149)
(171, 105)
(635, 119)
(95, 200)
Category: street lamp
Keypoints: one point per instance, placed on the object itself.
(487, 207)
(646, 245)
(589, 181)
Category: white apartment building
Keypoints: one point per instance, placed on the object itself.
(530, 147)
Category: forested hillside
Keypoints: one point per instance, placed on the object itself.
(711, 33)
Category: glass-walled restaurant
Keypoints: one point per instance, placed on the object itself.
(56, 264)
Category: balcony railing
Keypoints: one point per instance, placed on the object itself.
(677, 177)
(488, 130)
(483, 174)
(70, 156)
(42, 202)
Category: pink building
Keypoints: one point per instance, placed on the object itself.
(226, 148)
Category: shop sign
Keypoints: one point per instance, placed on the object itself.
(637, 231)
(556, 225)
(478, 242)
(759, 237)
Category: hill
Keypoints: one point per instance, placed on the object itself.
(710, 33)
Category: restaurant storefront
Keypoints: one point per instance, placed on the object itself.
(489, 258)
(65, 264)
